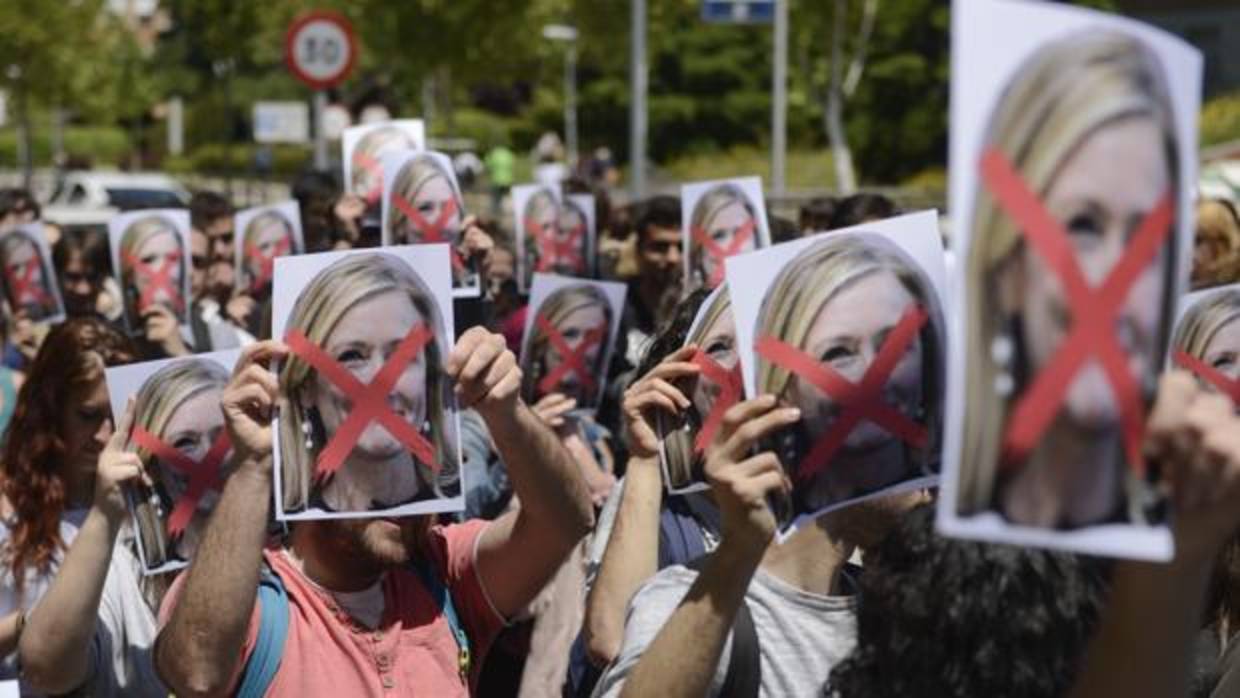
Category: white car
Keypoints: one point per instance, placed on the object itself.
(90, 198)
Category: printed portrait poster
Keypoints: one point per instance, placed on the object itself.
(848, 326)
(682, 441)
(368, 424)
(179, 433)
(575, 251)
(1206, 341)
(720, 218)
(363, 149)
(422, 204)
(30, 285)
(261, 234)
(1072, 233)
(549, 238)
(570, 334)
(151, 261)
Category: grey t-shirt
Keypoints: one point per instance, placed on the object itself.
(800, 635)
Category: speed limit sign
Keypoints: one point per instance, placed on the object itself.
(320, 49)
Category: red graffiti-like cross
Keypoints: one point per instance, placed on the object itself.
(717, 252)
(431, 231)
(859, 401)
(571, 360)
(370, 401)
(1225, 385)
(730, 388)
(25, 289)
(555, 251)
(1094, 312)
(267, 261)
(204, 475)
(157, 279)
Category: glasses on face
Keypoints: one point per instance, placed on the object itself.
(200, 261)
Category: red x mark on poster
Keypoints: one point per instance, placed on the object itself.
(553, 250)
(204, 475)
(268, 261)
(370, 401)
(363, 161)
(858, 401)
(1227, 386)
(571, 360)
(156, 279)
(730, 388)
(431, 232)
(24, 289)
(718, 252)
(1094, 311)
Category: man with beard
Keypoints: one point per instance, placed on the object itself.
(362, 621)
(656, 288)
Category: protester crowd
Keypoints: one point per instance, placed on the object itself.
(580, 565)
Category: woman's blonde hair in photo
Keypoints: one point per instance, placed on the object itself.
(1064, 93)
(160, 396)
(1218, 231)
(558, 305)
(704, 211)
(372, 145)
(678, 451)
(416, 173)
(814, 277)
(330, 294)
(263, 221)
(538, 201)
(1204, 319)
(134, 237)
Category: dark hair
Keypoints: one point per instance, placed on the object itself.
(16, 199)
(316, 194)
(602, 202)
(859, 208)
(671, 336)
(90, 246)
(782, 229)
(32, 472)
(816, 214)
(206, 207)
(941, 616)
(657, 212)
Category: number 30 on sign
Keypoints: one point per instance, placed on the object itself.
(320, 49)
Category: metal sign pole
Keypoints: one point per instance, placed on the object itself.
(637, 105)
(320, 133)
(779, 99)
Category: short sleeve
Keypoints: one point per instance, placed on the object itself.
(648, 612)
(454, 549)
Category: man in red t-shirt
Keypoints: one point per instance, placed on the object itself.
(360, 621)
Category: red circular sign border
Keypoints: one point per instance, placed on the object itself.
(320, 15)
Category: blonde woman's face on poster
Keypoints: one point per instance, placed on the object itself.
(192, 429)
(722, 229)
(268, 240)
(19, 256)
(846, 336)
(719, 343)
(1223, 351)
(430, 202)
(367, 172)
(542, 215)
(576, 327)
(1101, 194)
(158, 250)
(363, 341)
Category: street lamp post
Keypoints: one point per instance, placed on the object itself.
(567, 34)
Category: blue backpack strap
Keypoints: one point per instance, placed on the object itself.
(680, 534)
(443, 598)
(264, 661)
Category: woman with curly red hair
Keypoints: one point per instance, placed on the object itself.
(59, 427)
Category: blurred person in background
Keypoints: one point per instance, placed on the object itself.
(17, 206)
(330, 219)
(862, 208)
(1216, 247)
(815, 215)
(500, 162)
(656, 288)
(83, 271)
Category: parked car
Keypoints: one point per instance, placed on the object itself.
(91, 198)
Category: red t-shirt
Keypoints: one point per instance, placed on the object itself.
(412, 652)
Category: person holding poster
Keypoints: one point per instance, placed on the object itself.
(179, 435)
(1207, 340)
(29, 284)
(568, 340)
(1070, 275)
(723, 220)
(150, 254)
(357, 317)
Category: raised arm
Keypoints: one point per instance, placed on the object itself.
(1145, 640)
(682, 659)
(199, 649)
(520, 551)
(55, 644)
(632, 554)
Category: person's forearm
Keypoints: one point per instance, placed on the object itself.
(200, 647)
(631, 557)
(685, 654)
(55, 644)
(544, 477)
(1144, 643)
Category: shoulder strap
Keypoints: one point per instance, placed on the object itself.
(744, 676)
(264, 661)
(443, 598)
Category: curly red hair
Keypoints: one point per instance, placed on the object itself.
(32, 466)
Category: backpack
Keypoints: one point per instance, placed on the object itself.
(264, 661)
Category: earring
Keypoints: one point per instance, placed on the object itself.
(1001, 352)
(307, 429)
(786, 446)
